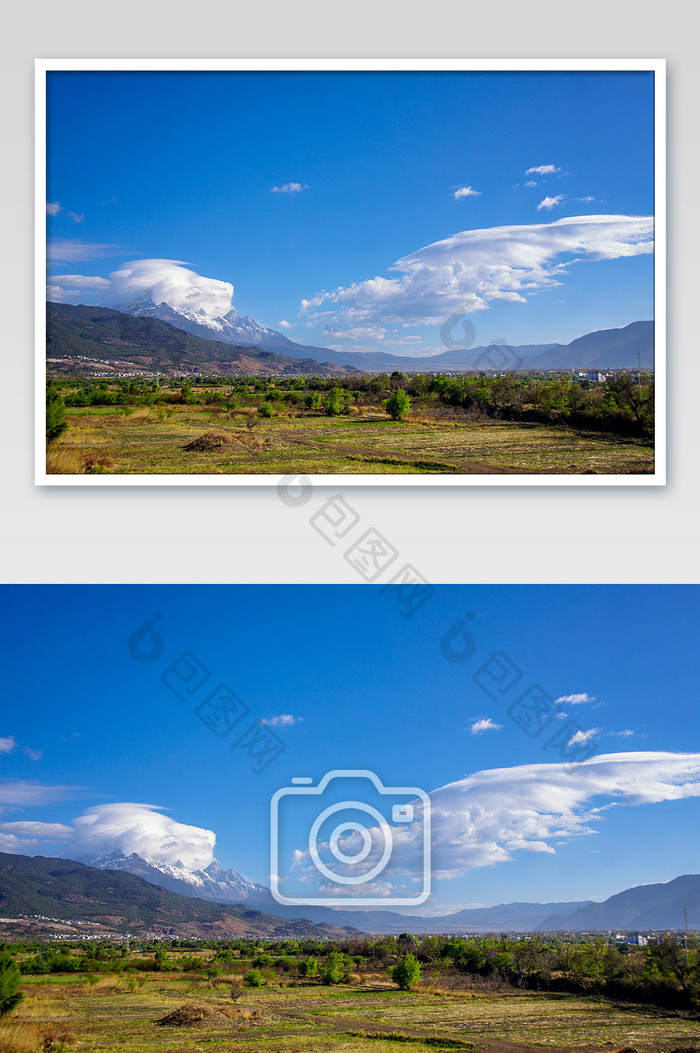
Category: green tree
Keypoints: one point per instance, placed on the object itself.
(10, 996)
(335, 402)
(309, 967)
(55, 413)
(253, 978)
(266, 410)
(334, 969)
(398, 405)
(406, 972)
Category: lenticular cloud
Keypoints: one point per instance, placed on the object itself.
(468, 270)
(482, 819)
(124, 827)
(167, 281)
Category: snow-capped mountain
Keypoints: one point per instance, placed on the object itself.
(232, 328)
(214, 883)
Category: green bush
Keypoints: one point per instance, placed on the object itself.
(253, 978)
(398, 405)
(406, 972)
(266, 410)
(10, 996)
(55, 414)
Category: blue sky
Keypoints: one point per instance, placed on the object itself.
(367, 166)
(360, 686)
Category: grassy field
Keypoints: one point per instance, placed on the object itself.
(151, 441)
(62, 1012)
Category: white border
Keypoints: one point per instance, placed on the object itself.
(657, 66)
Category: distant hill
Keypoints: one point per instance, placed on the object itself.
(603, 349)
(65, 889)
(229, 886)
(643, 907)
(75, 334)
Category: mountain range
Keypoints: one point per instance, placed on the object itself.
(658, 906)
(605, 349)
(86, 340)
(70, 891)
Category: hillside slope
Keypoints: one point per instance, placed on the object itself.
(104, 336)
(657, 906)
(65, 889)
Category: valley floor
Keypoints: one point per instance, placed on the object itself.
(150, 441)
(115, 1013)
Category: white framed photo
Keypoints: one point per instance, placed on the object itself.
(375, 272)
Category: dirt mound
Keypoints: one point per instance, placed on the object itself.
(195, 1014)
(211, 440)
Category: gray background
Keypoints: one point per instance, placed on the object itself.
(519, 534)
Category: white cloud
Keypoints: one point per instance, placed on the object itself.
(53, 208)
(625, 734)
(482, 819)
(484, 725)
(574, 700)
(67, 250)
(285, 325)
(77, 217)
(531, 182)
(167, 281)
(122, 827)
(288, 188)
(358, 332)
(464, 272)
(586, 199)
(9, 744)
(25, 793)
(284, 720)
(551, 202)
(465, 191)
(581, 737)
(542, 170)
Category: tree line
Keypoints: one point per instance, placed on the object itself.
(664, 972)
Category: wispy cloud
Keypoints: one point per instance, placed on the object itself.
(77, 217)
(542, 170)
(289, 188)
(9, 744)
(53, 208)
(23, 793)
(531, 182)
(70, 250)
(551, 202)
(465, 191)
(283, 324)
(485, 724)
(624, 734)
(284, 720)
(465, 272)
(575, 700)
